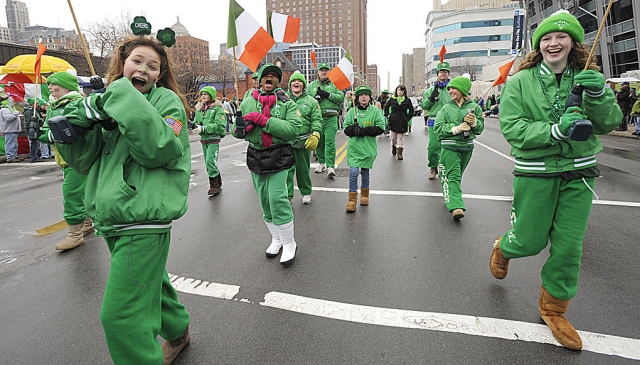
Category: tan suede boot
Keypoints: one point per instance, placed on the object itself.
(353, 198)
(87, 227)
(364, 196)
(74, 238)
(498, 264)
(400, 150)
(552, 312)
(214, 185)
(171, 349)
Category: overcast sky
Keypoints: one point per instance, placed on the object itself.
(395, 26)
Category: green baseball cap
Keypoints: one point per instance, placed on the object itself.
(322, 65)
(363, 89)
(444, 66)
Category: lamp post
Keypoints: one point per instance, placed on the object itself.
(413, 86)
(426, 74)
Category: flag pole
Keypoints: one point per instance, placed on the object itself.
(595, 42)
(235, 74)
(84, 45)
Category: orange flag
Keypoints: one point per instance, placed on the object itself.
(443, 50)
(313, 58)
(504, 72)
(41, 49)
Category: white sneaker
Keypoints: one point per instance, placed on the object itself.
(306, 199)
(320, 168)
(331, 172)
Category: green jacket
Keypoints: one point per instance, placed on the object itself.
(311, 117)
(56, 108)
(138, 173)
(333, 104)
(284, 125)
(432, 109)
(527, 122)
(452, 115)
(635, 110)
(213, 122)
(362, 151)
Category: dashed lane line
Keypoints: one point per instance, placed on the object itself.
(389, 317)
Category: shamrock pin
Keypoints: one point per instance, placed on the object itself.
(140, 26)
(167, 37)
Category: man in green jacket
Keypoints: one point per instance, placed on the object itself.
(309, 136)
(433, 100)
(330, 99)
(273, 124)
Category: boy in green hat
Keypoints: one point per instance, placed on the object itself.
(457, 125)
(330, 100)
(433, 99)
(211, 122)
(549, 164)
(311, 119)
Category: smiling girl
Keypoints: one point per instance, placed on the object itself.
(138, 179)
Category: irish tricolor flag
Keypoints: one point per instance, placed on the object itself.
(283, 28)
(342, 74)
(250, 42)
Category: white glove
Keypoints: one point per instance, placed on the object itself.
(470, 119)
(460, 128)
(197, 129)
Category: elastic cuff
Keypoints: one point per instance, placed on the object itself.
(50, 137)
(556, 134)
(594, 94)
(203, 129)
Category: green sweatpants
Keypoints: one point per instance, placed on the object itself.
(139, 302)
(326, 151)
(211, 151)
(73, 196)
(272, 192)
(561, 217)
(451, 167)
(302, 170)
(433, 149)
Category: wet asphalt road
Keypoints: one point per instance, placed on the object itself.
(402, 253)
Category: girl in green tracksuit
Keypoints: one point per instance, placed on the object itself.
(362, 124)
(457, 125)
(311, 119)
(273, 124)
(138, 180)
(211, 122)
(552, 163)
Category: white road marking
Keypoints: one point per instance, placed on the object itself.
(444, 322)
(495, 151)
(223, 148)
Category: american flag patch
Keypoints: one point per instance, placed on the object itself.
(175, 124)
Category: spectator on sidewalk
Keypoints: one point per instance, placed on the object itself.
(635, 114)
(10, 126)
(624, 101)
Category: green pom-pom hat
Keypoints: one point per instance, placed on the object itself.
(560, 21)
(461, 84)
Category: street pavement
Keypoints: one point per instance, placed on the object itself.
(397, 282)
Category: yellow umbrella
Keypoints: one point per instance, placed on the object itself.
(26, 64)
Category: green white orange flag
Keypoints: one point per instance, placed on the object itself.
(283, 28)
(342, 74)
(250, 41)
(504, 72)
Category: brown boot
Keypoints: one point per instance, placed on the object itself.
(393, 150)
(498, 264)
(87, 227)
(353, 198)
(432, 173)
(74, 238)
(400, 150)
(364, 196)
(213, 186)
(171, 349)
(552, 313)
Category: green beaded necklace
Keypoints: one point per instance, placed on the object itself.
(555, 106)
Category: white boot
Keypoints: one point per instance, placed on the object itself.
(288, 243)
(276, 244)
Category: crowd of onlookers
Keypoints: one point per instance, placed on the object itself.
(627, 99)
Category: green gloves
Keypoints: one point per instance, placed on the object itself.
(568, 118)
(591, 80)
(312, 142)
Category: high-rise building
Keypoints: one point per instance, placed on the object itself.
(330, 23)
(465, 4)
(189, 53)
(17, 15)
(300, 56)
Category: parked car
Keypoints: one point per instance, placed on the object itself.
(417, 110)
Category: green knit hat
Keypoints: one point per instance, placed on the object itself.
(560, 21)
(443, 66)
(461, 84)
(209, 90)
(297, 76)
(322, 65)
(363, 89)
(64, 79)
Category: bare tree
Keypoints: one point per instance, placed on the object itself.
(223, 74)
(103, 38)
(467, 65)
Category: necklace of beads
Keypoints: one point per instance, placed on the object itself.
(555, 106)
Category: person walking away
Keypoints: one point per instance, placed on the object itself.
(624, 101)
(362, 125)
(549, 164)
(311, 125)
(64, 89)
(229, 112)
(137, 185)
(10, 126)
(329, 98)
(457, 125)
(211, 121)
(434, 98)
(273, 124)
(400, 111)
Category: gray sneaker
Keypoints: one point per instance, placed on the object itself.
(320, 168)
(331, 172)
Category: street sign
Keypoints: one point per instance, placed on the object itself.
(518, 30)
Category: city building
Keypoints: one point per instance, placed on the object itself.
(56, 39)
(189, 53)
(17, 15)
(465, 4)
(327, 23)
(414, 71)
(301, 57)
(372, 79)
